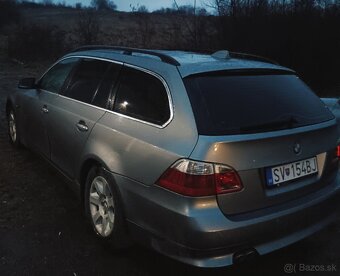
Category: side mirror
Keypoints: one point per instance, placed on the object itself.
(27, 83)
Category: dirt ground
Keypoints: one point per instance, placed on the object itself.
(43, 231)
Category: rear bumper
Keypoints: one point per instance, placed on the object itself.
(196, 232)
(221, 257)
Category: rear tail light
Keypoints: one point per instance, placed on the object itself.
(226, 180)
(192, 178)
(338, 151)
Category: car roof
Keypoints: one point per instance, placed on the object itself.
(195, 63)
(187, 63)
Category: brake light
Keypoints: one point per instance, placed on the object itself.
(338, 151)
(193, 178)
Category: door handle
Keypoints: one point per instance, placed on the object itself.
(44, 109)
(81, 125)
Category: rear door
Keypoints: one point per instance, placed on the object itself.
(77, 109)
(271, 129)
(138, 140)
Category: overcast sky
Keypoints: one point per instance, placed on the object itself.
(124, 5)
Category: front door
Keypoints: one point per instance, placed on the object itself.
(37, 105)
(75, 112)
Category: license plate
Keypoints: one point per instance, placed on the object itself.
(288, 172)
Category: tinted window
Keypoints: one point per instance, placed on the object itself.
(54, 79)
(86, 79)
(142, 96)
(107, 84)
(234, 104)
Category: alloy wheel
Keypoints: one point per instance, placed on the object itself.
(102, 206)
(12, 127)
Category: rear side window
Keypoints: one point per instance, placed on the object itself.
(142, 96)
(234, 104)
(106, 86)
(54, 79)
(86, 80)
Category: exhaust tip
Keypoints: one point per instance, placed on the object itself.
(245, 256)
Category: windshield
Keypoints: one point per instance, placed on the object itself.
(234, 104)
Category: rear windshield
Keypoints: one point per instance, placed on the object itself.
(235, 104)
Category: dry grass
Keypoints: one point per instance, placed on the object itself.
(119, 28)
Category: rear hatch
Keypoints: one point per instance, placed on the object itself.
(270, 128)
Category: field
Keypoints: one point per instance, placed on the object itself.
(113, 28)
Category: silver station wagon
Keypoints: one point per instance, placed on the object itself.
(208, 159)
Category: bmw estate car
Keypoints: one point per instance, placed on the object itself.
(208, 159)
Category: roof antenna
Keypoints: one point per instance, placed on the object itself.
(221, 54)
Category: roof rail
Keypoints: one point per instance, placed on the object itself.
(129, 51)
(252, 57)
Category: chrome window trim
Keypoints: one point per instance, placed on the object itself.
(49, 92)
(87, 104)
(167, 90)
(109, 111)
(170, 103)
(77, 56)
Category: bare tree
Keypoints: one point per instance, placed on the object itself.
(218, 5)
(47, 2)
(139, 9)
(228, 7)
(78, 5)
(304, 5)
(103, 5)
(190, 24)
(87, 26)
(145, 27)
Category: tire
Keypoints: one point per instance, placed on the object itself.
(104, 210)
(12, 127)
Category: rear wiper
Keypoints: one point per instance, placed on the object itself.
(271, 125)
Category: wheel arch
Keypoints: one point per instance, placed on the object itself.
(87, 164)
(94, 161)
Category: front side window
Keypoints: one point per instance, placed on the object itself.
(142, 96)
(86, 80)
(54, 79)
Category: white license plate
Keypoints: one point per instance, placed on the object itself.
(288, 172)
